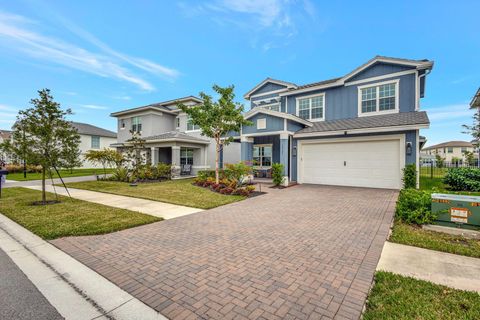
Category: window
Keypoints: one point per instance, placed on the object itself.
(177, 122)
(122, 124)
(186, 156)
(191, 126)
(273, 107)
(136, 124)
(261, 124)
(262, 155)
(450, 149)
(311, 108)
(378, 98)
(464, 149)
(95, 142)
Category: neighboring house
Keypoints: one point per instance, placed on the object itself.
(450, 150)
(4, 136)
(357, 130)
(93, 138)
(170, 137)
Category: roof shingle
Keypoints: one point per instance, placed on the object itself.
(88, 129)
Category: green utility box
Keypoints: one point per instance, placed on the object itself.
(457, 210)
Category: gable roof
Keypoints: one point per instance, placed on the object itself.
(393, 121)
(476, 100)
(5, 134)
(278, 114)
(88, 129)
(159, 106)
(450, 144)
(418, 64)
(269, 80)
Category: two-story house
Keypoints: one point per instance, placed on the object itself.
(92, 138)
(450, 150)
(360, 129)
(170, 136)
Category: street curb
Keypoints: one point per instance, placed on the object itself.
(102, 293)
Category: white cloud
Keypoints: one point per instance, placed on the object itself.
(449, 112)
(4, 107)
(126, 98)
(93, 106)
(271, 22)
(19, 34)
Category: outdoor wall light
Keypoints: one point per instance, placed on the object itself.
(408, 148)
(294, 151)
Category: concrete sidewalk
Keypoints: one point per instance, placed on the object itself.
(153, 208)
(12, 183)
(455, 271)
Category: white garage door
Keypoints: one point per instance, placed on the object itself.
(374, 164)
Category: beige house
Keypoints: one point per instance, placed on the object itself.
(450, 150)
(4, 136)
(93, 138)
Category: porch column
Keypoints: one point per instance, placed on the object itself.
(154, 153)
(175, 161)
(246, 150)
(284, 156)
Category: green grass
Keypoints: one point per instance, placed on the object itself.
(416, 236)
(181, 192)
(64, 173)
(397, 297)
(71, 217)
(437, 185)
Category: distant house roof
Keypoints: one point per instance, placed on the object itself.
(392, 122)
(5, 134)
(418, 64)
(476, 100)
(450, 144)
(159, 106)
(176, 136)
(88, 129)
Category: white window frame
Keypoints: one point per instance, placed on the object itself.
(377, 86)
(194, 126)
(262, 124)
(91, 142)
(269, 106)
(271, 156)
(136, 124)
(310, 97)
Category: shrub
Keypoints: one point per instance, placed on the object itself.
(463, 179)
(241, 192)
(237, 171)
(226, 190)
(277, 173)
(164, 170)
(120, 174)
(414, 206)
(250, 188)
(410, 176)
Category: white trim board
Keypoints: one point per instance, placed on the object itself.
(360, 131)
(377, 101)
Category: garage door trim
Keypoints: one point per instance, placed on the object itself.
(400, 137)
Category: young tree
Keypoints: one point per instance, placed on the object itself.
(134, 153)
(42, 135)
(217, 119)
(71, 156)
(474, 130)
(105, 157)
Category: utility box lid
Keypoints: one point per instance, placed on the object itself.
(3, 172)
(455, 197)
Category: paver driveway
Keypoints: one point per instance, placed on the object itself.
(306, 252)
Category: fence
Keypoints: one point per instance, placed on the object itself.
(433, 169)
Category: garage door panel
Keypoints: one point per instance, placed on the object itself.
(363, 163)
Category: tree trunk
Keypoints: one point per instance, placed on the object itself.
(217, 167)
(44, 193)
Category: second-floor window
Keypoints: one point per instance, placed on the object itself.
(136, 124)
(464, 149)
(450, 149)
(191, 126)
(177, 122)
(274, 107)
(311, 108)
(95, 142)
(378, 98)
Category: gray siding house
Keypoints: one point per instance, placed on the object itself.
(357, 130)
(170, 137)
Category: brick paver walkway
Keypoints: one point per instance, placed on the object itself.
(306, 252)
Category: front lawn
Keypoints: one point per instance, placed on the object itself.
(64, 173)
(398, 297)
(437, 185)
(416, 236)
(71, 217)
(181, 192)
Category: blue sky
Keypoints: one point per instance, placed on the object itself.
(102, 56)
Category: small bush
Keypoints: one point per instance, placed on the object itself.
(410, 176)
(250, 188)
(164, 170)
(120, 174)
(414, 207)
(463, 179)
(277, 173)
(226, 190)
